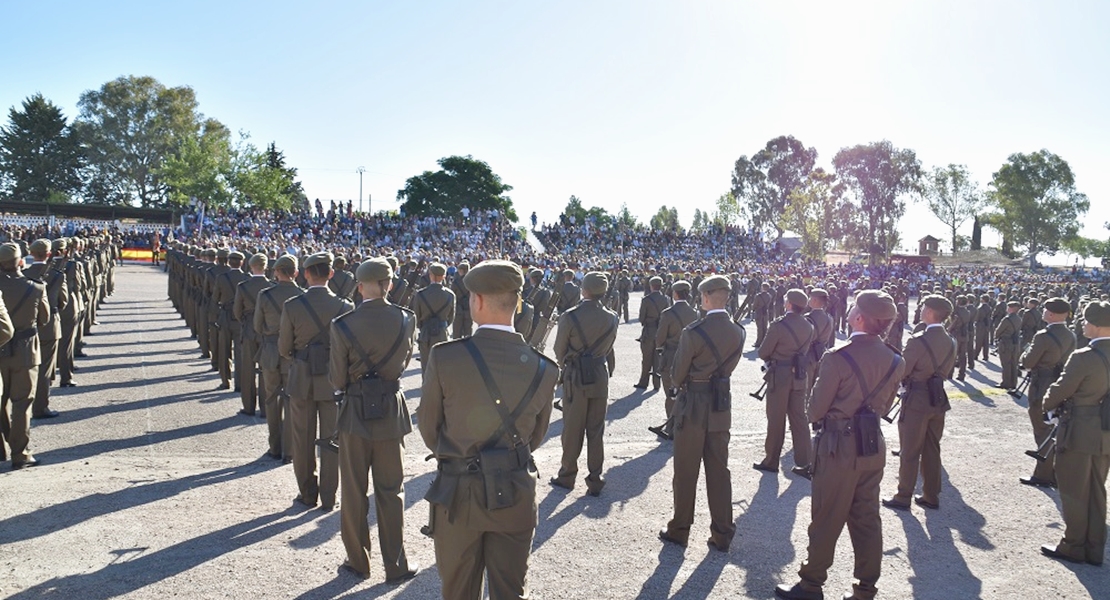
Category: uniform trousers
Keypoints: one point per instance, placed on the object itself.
(786, 404)
(844, 495)
(463, 325)
(982, 344)
(462, 554)
(1008, 360)
(961, 356)
(16, 399)
(583, 419)
(306, 416)
(246, 373)
(224, 349)
(1037, 388)
(48, 351)
(357, 457)
(647, 353)
(760, 328)
(695, 445)
(66, 345)
(276, 403)
(919, 436)
(1082, 484)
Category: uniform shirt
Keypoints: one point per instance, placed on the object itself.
(1044, 353)
(1084, 382)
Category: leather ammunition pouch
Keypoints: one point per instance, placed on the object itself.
(722, 393)
(497, 466)
(590, 367)
(432, 328)
(373, 397)
(21, 344)
(868, 432)
(719, 383)
(316, 354)
(934, 385)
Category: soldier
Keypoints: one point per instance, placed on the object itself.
(229, 329)
(370, 348)
(246, 297)
(855, 384)
(786, 352)
(462, 325)
(303, 338)
(1008, 336)
(1083, 442)
(1030, 321)
(708, 351)
(898, 327)
(998, 312)
(651, 307)
(571, 294)
(435, 310)
(71, 314)
(584, 349)
(957, 328)
(823, 326)
(27, 308)
(761, 306)
(522, 320)
(482, 443)
(624, 289)
(343, 283)
(982, 328)
(1045, 359)
(275, 367)
(671, 324)
(930, 358)
(57, 295)
(400, 284)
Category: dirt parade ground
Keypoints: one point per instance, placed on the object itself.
(151, 486)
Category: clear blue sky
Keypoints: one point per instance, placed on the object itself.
(638, 102)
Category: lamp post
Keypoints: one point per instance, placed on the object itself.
(360, 171)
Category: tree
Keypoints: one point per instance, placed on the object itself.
(574, 209)
(814, 212)
(40, 155)
(261, 179)
(1038, 202)
(728, 210)
(701, 220)
(202, 168)
(461, 182)
(131, 125)
(952, 197)
(878, 175)
(765, 183)
(665, 219)
(625, 218)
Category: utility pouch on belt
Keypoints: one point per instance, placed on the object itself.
(865, 421)
(434, 326)
(497, 463)
(588, 364)
(373, 397)
(934, 385)
(799, 363)
(317, 351)
(719, 382)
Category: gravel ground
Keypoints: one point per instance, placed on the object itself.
(152, 487)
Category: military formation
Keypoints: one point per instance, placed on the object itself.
(50, 292)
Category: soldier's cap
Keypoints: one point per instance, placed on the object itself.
(258, 260)
(392, 260)
(941, 305)
(464, 266)
(494, 277)
(209, 252)
(286, 262)
(568, 272)
(60, 244)
(40, 246)
(832, 288)
(437, 269)
(765, 285)
(535, 274)
(713, 283)
(797, 297)
(339, 261)
(655, 281)
(235, 255)
(680, 286)
(1058, 306)
(820, 294)
(223, 253)
(320, 258)
(9, 252)
(1013, 304)
(595, 283)
(1033, 301)
(624, 271)
(374, 269)
(876, 304)
(1097, 313)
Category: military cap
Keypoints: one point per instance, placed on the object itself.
(9, 252)
(797, 297)
(941, 305)
(876, 304)
(624, 271)
(595, 283)
(494, 277)
(568, 272)
(437, 269)
(1058, 306)
(680, 286)
(655, 281)
(535, 274)
(374, 269)
(339, 261)
(464, 266)
(223, 253)
(713, 283)
(320, 258)
(1096, 313)
(40, 246)
(286, 262)
(392, 260)
(59, 244)
(209, 252)
(820, 294)
(1013, 304)
(258, 260)
(235, 255)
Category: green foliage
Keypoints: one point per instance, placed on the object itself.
(815, 211)
(877, 175)
(764, 184)
(1037, 201)
(952, 197)
(625, 218)
(40, 155)
(260, 178)
(701, 221)
(462, 181)
(665, 219)
(596, 214)
(131, 125)
(201, 168)
(728, 210)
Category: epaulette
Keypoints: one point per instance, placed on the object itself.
(896, 351)
(693, 324)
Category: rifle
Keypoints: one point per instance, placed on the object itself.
(1022, 385)
(1041, 453)
(410, 280)
(547, 320)
(895, 410)
(759, 394)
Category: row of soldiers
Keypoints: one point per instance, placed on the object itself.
(50, 292)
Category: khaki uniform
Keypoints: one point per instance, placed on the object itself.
(846, 485)
(1082, 451)
(343, 284)
(435, 310)
(246, 295)
(275, 367)
(311, 400)
(212, 314)
(957, 328)
(651, 308)
(584, 405)
(1008, 336)
(786, 390)
(1045, 359)
(570, 295)
(462, 325)
(27, 308)
(701, 432)
(457, 419)
(624, 291)
(230, 330)
(921, 423)
(982, 332)
(57, 295)
(523, 319)
(822, 332)
(69, 316)
(671, 323)
(372, 440)
(761, 306)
